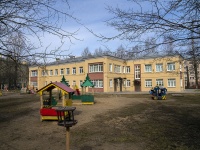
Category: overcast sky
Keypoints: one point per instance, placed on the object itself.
(93, 14)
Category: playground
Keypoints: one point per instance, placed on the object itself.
(115, 121)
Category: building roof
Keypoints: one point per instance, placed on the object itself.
(59, 85)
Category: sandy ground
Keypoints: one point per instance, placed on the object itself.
(21, 128)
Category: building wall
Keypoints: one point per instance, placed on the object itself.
(116, 79)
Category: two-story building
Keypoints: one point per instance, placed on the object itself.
(111, 74)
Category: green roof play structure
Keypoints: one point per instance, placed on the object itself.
(85, 98)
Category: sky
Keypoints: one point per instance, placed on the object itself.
(92, 14)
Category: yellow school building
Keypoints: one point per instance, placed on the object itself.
(112, 74)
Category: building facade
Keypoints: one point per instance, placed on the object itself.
(111, 74)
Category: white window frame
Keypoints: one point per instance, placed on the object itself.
(62, 71)
(67, 71)
(51, 72)
(159, 67)
(110, 82)
(159, 82)
(171, 83)
(56, 72)
(34, 73)
(137, 72)
(148, 83)
(117, 69)
(148, 68)
(80, 83)
(97, 83)
(33, 83)
(170, 66)
(128, 83)
(73, 83)
(96, 68)
(110, 67)
(128, 69)
(74, 70)
(81, 70)
(44, 72)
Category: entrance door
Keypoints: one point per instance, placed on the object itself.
(137, 84)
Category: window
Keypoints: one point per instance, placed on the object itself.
(67, 71)
(80, 83)
(110, 83)
(124, 69)
(110, 67)
(97, 83)
(128, 69)
(171, 83)
(34, 84)
(34, 73)
(148, 83)
(44, 72)
(170, 66)
(80, 70)
(51, 72)
(56, 72)
(128, 83)
(148, 68)
(137, 72)
(96, 68)
(62, 71)
(74, 83)
(74, 70)
(159, 82)
(117, 69)
(159, 67)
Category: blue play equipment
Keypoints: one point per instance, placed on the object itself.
(158, 93)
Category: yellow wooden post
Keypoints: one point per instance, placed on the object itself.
(63, 99)
(41, 100)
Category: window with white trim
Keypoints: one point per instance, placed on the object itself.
(97, 83)
(44, 72)
(56, 72)
(171, 82)
(159, 67)
(61, 71)
(137, 71)
(67, 71)
(74, 83)
(50, 72)
(110, 67)
(148, 83)
(34, 73)
(74, 70)
(96, 68)
(170, 66)
(80, 70)
(159, 82)
(128, 83)
(80, 83)
(117, 69)
(110, 83)
(148, 68)
(128, 69)
(33, 83)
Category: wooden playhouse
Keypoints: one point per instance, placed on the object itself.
(49, 104)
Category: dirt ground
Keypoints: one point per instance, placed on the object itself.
(21, 128)
(113, 122)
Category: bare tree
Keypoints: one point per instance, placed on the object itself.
(161, 18)
(32, 18)
(86, 52)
